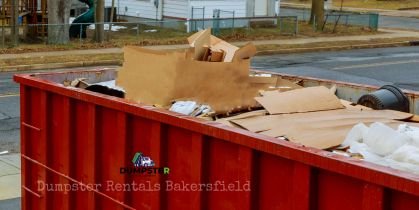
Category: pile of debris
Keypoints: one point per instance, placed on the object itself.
(212, 72)
(212, 80)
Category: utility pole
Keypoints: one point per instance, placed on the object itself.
(15, 23)
(99, 21)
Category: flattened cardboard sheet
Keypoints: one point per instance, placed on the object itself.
(322, 129)
(227, 120)
(300, 100)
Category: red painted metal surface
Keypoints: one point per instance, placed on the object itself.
(79, 138)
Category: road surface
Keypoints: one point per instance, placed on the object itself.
(397, 66)
(9, 110)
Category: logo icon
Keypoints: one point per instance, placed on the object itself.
(140, 160)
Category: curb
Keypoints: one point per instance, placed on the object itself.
(264, 52)
(50, 66)
(330, 48)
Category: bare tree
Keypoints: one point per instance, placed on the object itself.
(99, 20)
(317, 13)
(111, 20)
(15, 23)
(58, 18)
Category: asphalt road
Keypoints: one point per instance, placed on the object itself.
(397, 66)
(9, 114)
(9, 110)
(384, 21)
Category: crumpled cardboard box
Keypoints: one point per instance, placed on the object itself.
(160, 77)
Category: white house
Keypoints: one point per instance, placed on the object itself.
(193, 9)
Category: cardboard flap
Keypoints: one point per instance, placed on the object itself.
(246, 52)
(300, 100)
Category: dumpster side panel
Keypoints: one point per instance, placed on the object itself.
(33, 130)
(59, 143)
(403, 201)
(184, 158)
(110, 154)
(273, 184)
(76, 137)
(83, 150)
(145, 136)
(338, 190)
(228, 165)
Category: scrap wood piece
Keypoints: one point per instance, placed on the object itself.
(199, 41)
(300, 100)
(217, 56)
(204, 37)
(219, 44)
(207, 53)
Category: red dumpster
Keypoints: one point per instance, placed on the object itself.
(79, 151)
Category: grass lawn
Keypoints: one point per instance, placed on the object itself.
(153, 35)
(369, 4)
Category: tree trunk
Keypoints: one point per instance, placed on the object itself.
(111, 19)
(317, 13)
(58, 18)
(15, 23)
(99, 20)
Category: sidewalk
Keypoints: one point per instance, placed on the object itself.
(10, 190)
(388, 34)
(385, 12)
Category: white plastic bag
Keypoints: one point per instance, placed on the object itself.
(184, 107)
(383, 140)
